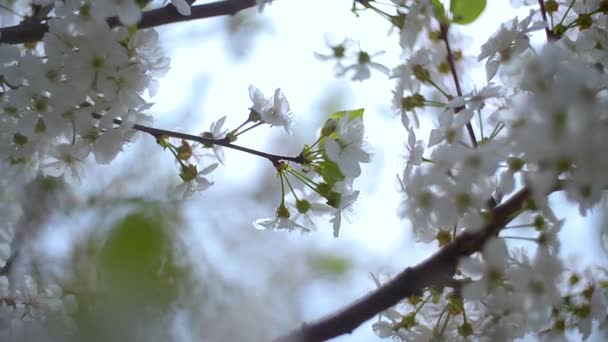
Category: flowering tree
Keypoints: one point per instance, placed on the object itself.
(75, 75)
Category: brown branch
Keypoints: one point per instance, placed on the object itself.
(39, 13)
(551, 36)
(450, 57)
(33, 32)
(157, 133)
(438, 271)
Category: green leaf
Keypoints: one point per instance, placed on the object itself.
(439, 10)
(137, 262)
(355, 113)
(133, 275)
(331, 264)
(330, 172)
(466, 11)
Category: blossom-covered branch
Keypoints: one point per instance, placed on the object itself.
(34, 31)
(436, 271)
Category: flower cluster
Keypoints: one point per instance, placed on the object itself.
(61, 99)
(361, 64)
(546, 113)
(274, 111)
(328, 169)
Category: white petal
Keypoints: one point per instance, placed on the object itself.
(332, 149)
(209, 169)
(491, 69)
(182, 7)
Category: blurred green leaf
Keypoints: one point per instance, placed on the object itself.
(332, 264)
(137, 259)
(132, 277)
(466, 11)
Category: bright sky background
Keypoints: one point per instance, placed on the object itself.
(207, 82)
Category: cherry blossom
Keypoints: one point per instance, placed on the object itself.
(347, 149)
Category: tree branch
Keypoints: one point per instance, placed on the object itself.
(437, 270)
(33, 31)
(225, 142)
(450, 57)
(551, 36)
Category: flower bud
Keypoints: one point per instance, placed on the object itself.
(207, 135)
(303, 206)
(282, 212)
(329, 127)
(254, 116)
(231, 137)
(334, 199)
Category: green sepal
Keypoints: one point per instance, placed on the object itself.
(188, 172)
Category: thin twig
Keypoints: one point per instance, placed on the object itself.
(450, 58)
(157, 133)
(34, 31)
(550, 35)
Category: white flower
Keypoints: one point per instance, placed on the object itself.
(280, 114)
(182, 7)
(277, 224)
(260, 103)
(419, 16)
(346, 203)
(274, 111)
(475, 100)
(383, 329)
(69, 157)
(363, 66)
(109, 143)
(124, 88)
(218, 133)
(144, 47)
(415, 71)
(493, 269)
(197, 183)
(509, 42)
(97, 58)
(127, 11)
(414, 151)
(450, 126)
(347, 149)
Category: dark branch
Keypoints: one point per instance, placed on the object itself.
(39, 13)
(33, 31)
(158, 133)
(450, 58)
(551, 36)
(438, 271)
